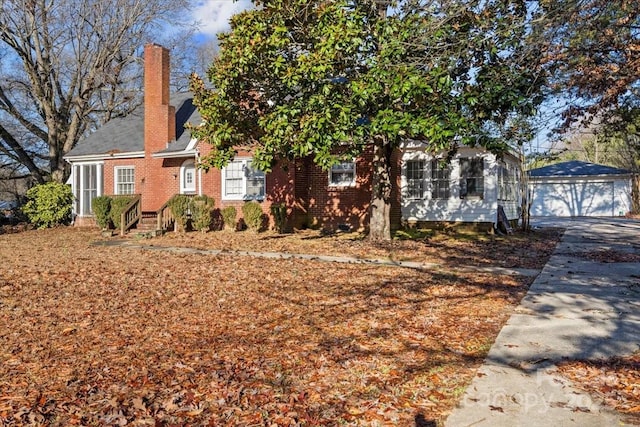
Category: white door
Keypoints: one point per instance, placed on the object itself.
(188, 177)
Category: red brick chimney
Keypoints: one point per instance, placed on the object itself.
(159, 116)
(159, 127)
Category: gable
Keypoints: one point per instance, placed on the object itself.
(124, 135)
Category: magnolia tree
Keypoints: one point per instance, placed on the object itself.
(330, 79)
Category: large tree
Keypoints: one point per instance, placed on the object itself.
(332, 78)
(68, 65)
(592, 52)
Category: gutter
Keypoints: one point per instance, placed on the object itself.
(174, 154)
(104, 156)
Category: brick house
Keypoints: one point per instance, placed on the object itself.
(151, 153)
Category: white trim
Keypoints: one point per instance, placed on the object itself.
(200, 193)
(100, 157)
(243, 196)
(191, 164)
(116, 182)
(351, 183)
(192, 144)
(78, 181)
(175, 154)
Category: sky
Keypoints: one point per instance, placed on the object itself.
(213, 15)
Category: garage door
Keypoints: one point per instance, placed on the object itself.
(573, 199)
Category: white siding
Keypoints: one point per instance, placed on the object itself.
(456, 208)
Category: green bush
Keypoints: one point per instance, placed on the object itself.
(252, 214)
(201, 212)
(101, 207)
(179, 205)
(118, 203)
(229, 217)
(49, 204)
(279, 213)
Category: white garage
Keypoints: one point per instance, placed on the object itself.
(575, 188)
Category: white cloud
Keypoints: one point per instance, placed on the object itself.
(213, 15)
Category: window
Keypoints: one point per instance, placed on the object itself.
(471, 177)
(343, 174)
(415, 180)
(242, 182)
(188, 177)
(440, 176)
(124, 180)
(507, 183)
(86, 185)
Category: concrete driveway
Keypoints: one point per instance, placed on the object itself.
(577, 309)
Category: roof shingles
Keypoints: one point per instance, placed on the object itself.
(126, 134)
(576, 168)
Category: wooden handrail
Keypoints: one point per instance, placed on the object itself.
(131, 214)
(164, 216)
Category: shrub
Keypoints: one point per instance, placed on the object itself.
(252, 213)
(229, 217)
(201, 212)
(49, 204)
(101, 207)
(118, 204)
(279, 213)
(179, 205)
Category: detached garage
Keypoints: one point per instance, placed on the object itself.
(575, 188)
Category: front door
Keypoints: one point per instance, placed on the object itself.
(188, 177)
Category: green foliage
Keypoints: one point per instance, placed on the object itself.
(253, 215)
(101, 207)
(49, 204)
(229, 215)
(340, 77)
(201, 212)
(279, 213)
(179, 205)
(118, 205)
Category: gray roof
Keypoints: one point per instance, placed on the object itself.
(576, 168)
(126, 134)
(7, 204)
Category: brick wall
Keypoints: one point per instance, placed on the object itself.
(303, 186)
(332, 207)
(279, 187)
(321, 205)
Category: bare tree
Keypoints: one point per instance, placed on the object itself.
(69, 65)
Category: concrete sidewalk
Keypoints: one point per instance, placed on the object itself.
(576, 309)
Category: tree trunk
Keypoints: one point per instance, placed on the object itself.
(380, 211)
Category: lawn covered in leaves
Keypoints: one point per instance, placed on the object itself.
(98, 335)
(615, 381)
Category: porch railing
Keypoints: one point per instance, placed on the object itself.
(165, 216)
(131, 214)
(166, 220)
